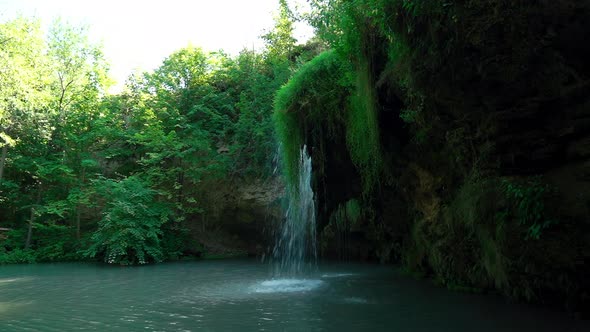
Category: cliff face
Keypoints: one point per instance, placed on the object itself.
(241, 218)
(481, 176)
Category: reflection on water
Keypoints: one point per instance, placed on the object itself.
(11, 280)
(14, 306)
(337, 275)
(356, 300)
(238, 296)
(2, 281)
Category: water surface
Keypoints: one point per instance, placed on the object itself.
(239, 295)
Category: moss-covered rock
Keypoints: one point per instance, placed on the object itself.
(462, 130)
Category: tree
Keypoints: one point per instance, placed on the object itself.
(80, 81)
(129, 232)
(79, 166)
(23, 81)
(79, 66)
(280, 41)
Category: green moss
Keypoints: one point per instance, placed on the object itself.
(417, 248)
(311, 99)
(493, 259)
(475, 208)
(362, 129)
(465, 248)
(319, 99)
(346, 215)
(528, 203)
(438, 59)
(483, 240)
(290, 137)
(353, 211)
(313, 83)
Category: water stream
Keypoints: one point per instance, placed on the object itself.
(295, 252)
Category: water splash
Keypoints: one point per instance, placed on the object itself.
(295, 252)
(287, 285)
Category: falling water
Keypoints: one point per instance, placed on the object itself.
(295, 251)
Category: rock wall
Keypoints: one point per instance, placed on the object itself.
(484, 129)
(240, 217)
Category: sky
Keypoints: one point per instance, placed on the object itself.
(139, 34)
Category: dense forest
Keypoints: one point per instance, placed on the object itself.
(451, 137)
(125, 178)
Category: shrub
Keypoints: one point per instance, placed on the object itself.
(16, 256)
(528, 203)
(129, 233)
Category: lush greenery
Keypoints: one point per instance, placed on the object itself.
(85, 174)
(319, 82)
(446, 136)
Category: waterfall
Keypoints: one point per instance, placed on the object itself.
(295, 251)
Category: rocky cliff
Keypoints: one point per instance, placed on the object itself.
(241, 217)
(454, 137)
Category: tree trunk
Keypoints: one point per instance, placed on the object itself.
(32, 219)
(78, 206)
(3, 160)
(78, 223)
(30, 228)
(180, 191)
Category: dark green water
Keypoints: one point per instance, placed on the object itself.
(238, 295)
